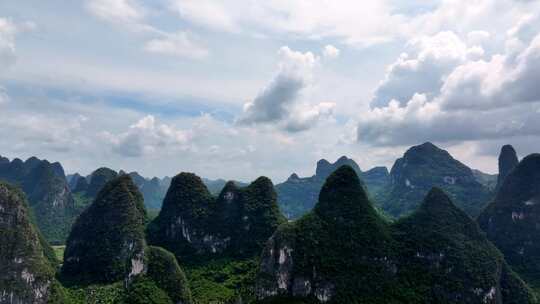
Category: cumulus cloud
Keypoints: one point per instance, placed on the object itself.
(475, 99)
(273, 103)
(423, 71)
(280, 102)
(145, 136)
(330, 51)
(177, 44)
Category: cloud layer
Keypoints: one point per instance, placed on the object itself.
(453, 96)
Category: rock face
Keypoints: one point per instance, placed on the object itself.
(512, 220)
(508, 160)
(107, 245)
(297, 196)
(107, 242)
(48, 194)
(426, 166)
(343, 252)
(193, 224)
(26, 276)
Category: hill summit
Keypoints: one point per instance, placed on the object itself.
(425, 166)
(193, 223)
(343, 252)
(26, 261)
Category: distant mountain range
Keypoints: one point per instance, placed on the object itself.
(297, 195)
(56, 199)
(401, 191)
(237, 247)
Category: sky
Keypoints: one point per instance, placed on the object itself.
(238, 89)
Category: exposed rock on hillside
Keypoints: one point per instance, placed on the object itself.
(193, 224)
(508, 160)
(48, 194)
(512, 220)
(26, 275)
(343, 252)
(426, 166)
(107, 242)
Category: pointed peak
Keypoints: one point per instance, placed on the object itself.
(188, 184)
(32, 159)
(525, 175)
(438, 211)
(323, 161)
(104, 170)
(426, 147)
(262, 182)
(187, 178)
(508, 148)
(437, 198)
(343, 176)
(122, 181)
(229, 186)
(342, 159)
(341, 189)
(293, 177)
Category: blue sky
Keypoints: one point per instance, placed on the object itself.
(238, 89)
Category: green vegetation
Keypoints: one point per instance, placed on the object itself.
(223, 280)
(98, 179)
(511, 220)
(426, 166)
(59, 252)
(344, 252)
(26, 260)
(297, 196)
(49, 198)
(107, 236)
(197, 226)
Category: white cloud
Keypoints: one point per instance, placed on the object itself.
(177, 44)
(330, 51)
(306, 116)
(132, 16)
(360, 24)
(7, 43)
(117, 11)
(146, 136)
(273, 103)
(423, 71)
(474, 100)
(282, 102)
(477, 37)
(211, 14)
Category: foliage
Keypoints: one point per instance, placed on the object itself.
(426, 166)
(297, 195)
(511, 220)
(48, 194)
(223, 280)
(163, 269)
(99, 178)
(26, 260)
(343, 248)
(107, 235)
(196, 226)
